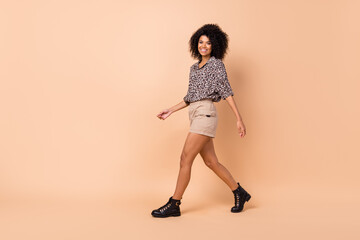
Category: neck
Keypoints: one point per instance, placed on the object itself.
(205, 58)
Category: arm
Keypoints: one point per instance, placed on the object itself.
(227, 94)
(230, 100)
(178, 106)
(167, 112)
(239, 122)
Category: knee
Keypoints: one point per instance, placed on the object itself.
(184, 161)
(211, 164)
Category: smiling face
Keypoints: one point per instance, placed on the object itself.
(204, 46)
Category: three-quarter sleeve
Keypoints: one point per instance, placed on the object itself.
(223, 86)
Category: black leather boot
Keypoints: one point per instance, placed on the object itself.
(240, 196)
(171, 208)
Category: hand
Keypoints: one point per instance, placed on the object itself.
(241, 128)
(164, 114)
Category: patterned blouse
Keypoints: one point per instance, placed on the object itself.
(210, 81)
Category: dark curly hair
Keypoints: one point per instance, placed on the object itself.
(219, 41)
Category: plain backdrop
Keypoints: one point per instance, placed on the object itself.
(83, 155)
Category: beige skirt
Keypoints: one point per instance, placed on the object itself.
(203, 117)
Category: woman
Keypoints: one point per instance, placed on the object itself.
(208, 83)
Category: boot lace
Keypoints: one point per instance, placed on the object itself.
(166, 206)
(238, 198)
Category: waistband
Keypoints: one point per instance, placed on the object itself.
(202, 101)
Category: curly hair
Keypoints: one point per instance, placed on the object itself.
(219, 41)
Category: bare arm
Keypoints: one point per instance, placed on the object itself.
(167, 112)
(239, 122)
(230, 100)
(178, 106)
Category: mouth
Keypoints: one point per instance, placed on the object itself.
(203, 50)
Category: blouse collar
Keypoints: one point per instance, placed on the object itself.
(210, 59)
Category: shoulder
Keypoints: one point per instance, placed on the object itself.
(218, 63)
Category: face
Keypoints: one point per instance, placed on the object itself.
(204, 46)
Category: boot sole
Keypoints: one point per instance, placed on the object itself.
(164, 216)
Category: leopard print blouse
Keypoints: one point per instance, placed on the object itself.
(208, 82)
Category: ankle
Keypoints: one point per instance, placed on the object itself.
(176, 198)
(235, 187)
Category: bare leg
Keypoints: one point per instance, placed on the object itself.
(193, 144)
(210, 159)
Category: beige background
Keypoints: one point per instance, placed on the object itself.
(83, 155)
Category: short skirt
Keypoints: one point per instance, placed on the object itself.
(203, 117)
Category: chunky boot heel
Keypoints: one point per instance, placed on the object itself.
(241, 196)
(171, 208)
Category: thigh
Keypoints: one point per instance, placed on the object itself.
(208, 152)
(193, 144)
